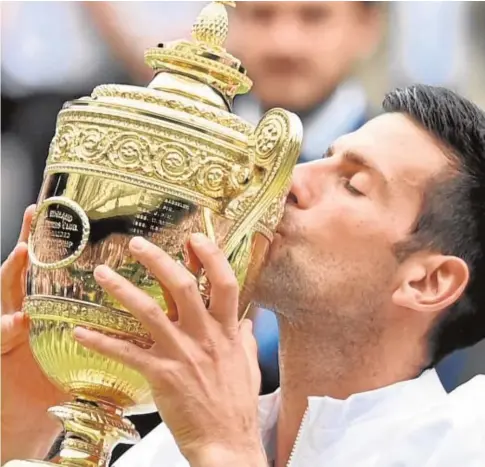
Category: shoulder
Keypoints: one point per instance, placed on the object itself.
(466, 404)
(461, 410)
(448, 434)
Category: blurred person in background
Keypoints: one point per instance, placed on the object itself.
(302, 56)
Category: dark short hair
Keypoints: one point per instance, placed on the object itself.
(452, 218)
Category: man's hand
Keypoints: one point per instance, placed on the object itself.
(27, 429)
(203, 369)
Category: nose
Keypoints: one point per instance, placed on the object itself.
(308, 183)
(289, 28)
(299, 195)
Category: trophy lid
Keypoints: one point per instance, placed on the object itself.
(179, 135)
(204, 58)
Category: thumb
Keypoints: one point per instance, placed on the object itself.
(12, 274)
(14, 331)
(27, 223)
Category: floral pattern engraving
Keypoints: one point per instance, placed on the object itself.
(275, 147)
(149, 97)
(267, 137)
(272, 217)
(166, 158)
(86, 314)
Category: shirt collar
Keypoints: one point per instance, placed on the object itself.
(326, 412)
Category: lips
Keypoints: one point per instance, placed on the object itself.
(280, 229)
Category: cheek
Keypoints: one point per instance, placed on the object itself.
(356, 230)
(250, 53)
(334, 44)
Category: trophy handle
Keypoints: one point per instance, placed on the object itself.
(275, 146)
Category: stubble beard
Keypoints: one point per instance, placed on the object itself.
(281, 286)
(323, 295)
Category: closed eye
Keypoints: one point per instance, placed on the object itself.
(350, 188)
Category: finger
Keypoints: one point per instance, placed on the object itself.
(179, 282)
(251, 349)
(246, 327)
(171, 310)
(26, 223)
(13, 324)
(120, 350)
(13, 268)
(224, 287)
(141, 305)
(14, 331)
(11, 276)
(195, 267)
(249, 341)
(193, 263)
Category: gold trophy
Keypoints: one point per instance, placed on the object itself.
(162, 162)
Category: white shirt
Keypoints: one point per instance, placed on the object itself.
(409, 424)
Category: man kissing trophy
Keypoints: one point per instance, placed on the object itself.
(161, 162)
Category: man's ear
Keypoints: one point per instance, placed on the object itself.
(431, 283)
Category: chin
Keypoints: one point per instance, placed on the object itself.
(277, 238)
(281, 94)
(276, 274)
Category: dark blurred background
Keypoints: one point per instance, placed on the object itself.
(330, 62)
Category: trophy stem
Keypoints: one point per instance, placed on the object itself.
(92, 430)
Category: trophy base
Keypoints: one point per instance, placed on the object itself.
(28, 463)
(92, 429)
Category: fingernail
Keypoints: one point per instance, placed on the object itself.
(138, 244)
(102, 272)
(18, 316)
(14, 252)
(199, 239)
(20, 246)
(80, 333)
(22, 317)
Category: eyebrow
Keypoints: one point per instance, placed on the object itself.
(354, 158)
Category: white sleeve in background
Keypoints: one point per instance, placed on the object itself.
(157, 449)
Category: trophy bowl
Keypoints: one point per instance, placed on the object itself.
(161, 162)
